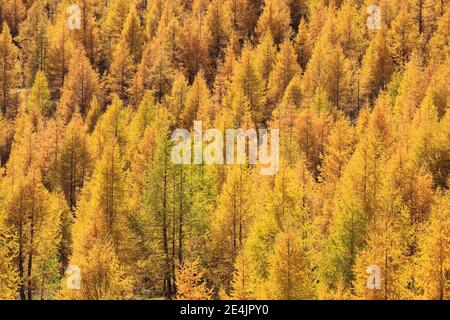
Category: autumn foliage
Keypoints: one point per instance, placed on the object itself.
(87, 180)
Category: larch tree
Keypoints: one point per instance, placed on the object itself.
(429, 140)
(230, 224)
(155, 72)
(28, 214)
(177, 99)
(338, 80)
(94, 114)
(170, 36)
(99, 232)
(14, 12)
(337, 152)
(302, 44)
(265, 57)
(247, 79)
(112, 26)
(197, 101)
(243, 286)
(426, 14)
(276, 18)
(9, 250)
(74, 164)
(142, 119)
(157, 199)
(194, 41)
(34, 39)
(59, 53)
(87, 35)
(377, 66)
(153, 15)
(10, 72)
(121, 71)
(383, 252)
(80, 86)
(289, 277)
(351, 30)
(218, 26)
(361, 185)
(102, 275)
(190, 283)
(410, 93)
(439, 44)
(39, 98)
(402, 37)
(311, 129)
(347, 237)
(112, 126)
(242, 17)
(435, 253)
(133, 34)
(317, 16)
(299, 10)
(314, 77)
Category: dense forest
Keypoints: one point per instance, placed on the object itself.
(91, 93)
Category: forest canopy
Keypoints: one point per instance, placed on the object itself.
(92, 207)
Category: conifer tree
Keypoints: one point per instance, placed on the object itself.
(31, 221)
(155, 72)
(157, 195)
(112, 26)
(75, 161)
(265, 56)
(122, 71)
(10, 72)
(377, 66)
(87, 35)
(197, 101)
(289, 273)
(350, 29)
(248, 80)
(439, 44)
(177, 99)
(34, 40)
(276, 18)
(102, 275)
(8, 253)
(217, 24)
(153, 16)
(383, 251)
(112, 126)
(435, 255)
(133, 34)
(194, 42)
(39, 98)
(243, 17)
(190, 282)
(360, 183)
(59, 53)
(402, 37)
(80, 86)
(230, 224)
(243, 287)
(14, 14)
(302, 44)
(347, 237)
